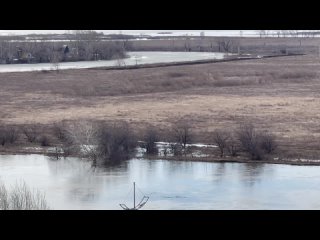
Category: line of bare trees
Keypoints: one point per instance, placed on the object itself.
(82, 46)
(111, 143)
(288, 33)
(100, 143)
(246, 139)
(10, 135)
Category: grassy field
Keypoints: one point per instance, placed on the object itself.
(281, 95)
(256, 45)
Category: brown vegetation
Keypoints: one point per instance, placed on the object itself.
(280, 94)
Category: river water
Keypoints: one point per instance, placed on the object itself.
(73, 184)
(135, 58)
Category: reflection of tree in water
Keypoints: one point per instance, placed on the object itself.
(220, 172)
(103, 177)
(251, 172)
(82, 182)
(177, 167)
(110, 167)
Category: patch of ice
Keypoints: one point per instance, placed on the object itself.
(309, 160)
(200, 145)
(199, 154)
(140, 152)
(33, 148)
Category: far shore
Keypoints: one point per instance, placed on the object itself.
(240, 159)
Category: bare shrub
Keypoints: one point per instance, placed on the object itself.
(55, 60)
(176, 149)
(250, 141)
(8, 135)
(176, 74)
(12, 134)
(120, 62)
(60, 132)
(226, 44)
(182, 133)
(116, 142)
(4, 199)
(65, 133)
(21, 198)
(233, 146)
(68, 148)
(44, 141)
(31, 133)
(82, 137)
(3, 136)
(298, 74)
(268, 143)
(102, 144)
(220, 138)
(57, 154)
(150, 139)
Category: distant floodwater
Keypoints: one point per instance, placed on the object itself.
(135, 58)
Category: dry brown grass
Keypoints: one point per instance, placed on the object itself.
(278, 94)
(252, 45)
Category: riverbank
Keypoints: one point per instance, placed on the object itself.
(228, 58)
(299, 162)
(50, 151)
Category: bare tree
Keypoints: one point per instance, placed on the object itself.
(150, 139)
(59, 131)
(8, 135)
(117, 142)
(21, 198)
(55, 60)
(225, 44)
(120, 62)
(44, 141)
(176, 149)
(102, 144)
(4, 198)
(220, 138)
(182, 134)
(233, 146)
(31, 133)
(250, 141)
(3, 136)
(82, 136)
(12, 134)
(262, 33)
(268, 142)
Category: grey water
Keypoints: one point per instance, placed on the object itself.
(135, 58)
(73, 184)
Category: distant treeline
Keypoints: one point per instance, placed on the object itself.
(81, 47)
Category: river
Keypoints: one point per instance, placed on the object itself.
(73, 184)
(135, 58)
